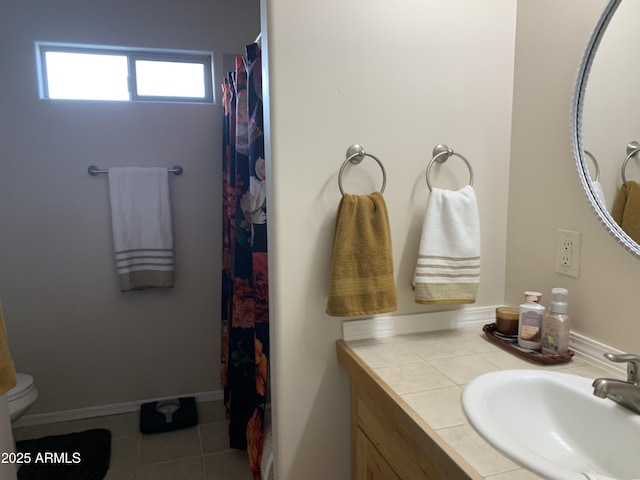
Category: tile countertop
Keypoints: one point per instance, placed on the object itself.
(429, 370)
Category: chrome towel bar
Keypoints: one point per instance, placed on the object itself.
(93, 170)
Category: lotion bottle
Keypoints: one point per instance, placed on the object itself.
(530, 325)
(556, 324)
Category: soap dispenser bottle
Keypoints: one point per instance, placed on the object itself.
(530, 325)
(556, 324)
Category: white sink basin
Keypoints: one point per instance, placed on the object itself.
(552, 424)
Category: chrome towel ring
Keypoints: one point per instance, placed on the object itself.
(595, 164)
(355, 154)
(441, 154)
(632, 149)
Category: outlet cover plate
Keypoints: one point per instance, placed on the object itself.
(568, 247)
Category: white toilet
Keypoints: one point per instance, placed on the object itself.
(21, 396)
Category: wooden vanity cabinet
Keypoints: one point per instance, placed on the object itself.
(389, 440)
(369, 464)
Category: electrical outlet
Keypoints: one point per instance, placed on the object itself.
(568, 253)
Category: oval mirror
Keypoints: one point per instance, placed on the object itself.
(604, 118)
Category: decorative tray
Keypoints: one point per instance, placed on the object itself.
(510, 343)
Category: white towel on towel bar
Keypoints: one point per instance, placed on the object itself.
(141, 223)
(448, 266)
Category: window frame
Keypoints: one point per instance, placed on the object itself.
(132, 54)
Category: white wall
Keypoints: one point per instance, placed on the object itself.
(398, 78)
(69, 326)
(545, 193)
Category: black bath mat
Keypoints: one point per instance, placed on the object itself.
(75, 456)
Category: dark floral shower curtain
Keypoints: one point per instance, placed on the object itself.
(245, 307)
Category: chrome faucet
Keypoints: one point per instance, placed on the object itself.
(624, 393)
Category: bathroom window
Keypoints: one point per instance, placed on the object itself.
(76, 72)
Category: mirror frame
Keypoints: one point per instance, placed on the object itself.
(576, 132)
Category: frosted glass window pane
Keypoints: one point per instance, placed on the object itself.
(170, 79)
(84, 76)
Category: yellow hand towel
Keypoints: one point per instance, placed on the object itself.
(630, 222)
(618, 204)
(362, 280)
(7, 370)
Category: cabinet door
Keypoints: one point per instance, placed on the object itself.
(369, 462)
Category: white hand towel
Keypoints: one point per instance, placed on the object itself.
(448, 267)
(141, 222)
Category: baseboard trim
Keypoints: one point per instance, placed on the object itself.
(378, 327)
(594, 351)
(103, 410)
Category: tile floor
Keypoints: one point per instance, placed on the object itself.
(197, 453)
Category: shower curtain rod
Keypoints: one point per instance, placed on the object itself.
(93, 170)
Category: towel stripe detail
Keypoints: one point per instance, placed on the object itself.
(444, 269)
(448, 275)
(452, 267)
(133, 260)
(145, 251)
(441, 257)
(356, 286)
